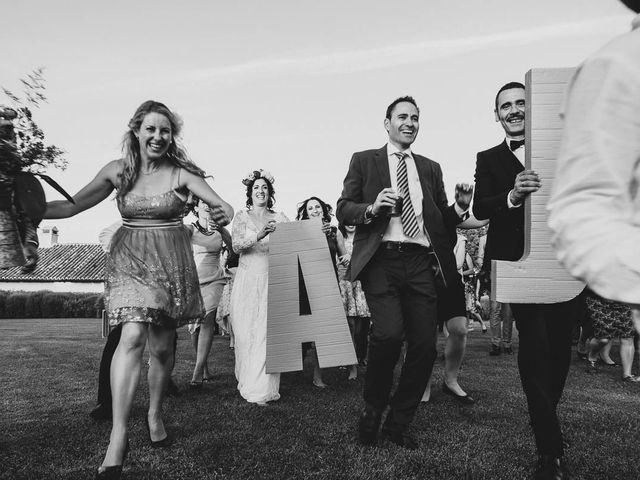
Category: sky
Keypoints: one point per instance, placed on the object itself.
(290, 86)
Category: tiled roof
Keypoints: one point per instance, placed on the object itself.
(68, 262)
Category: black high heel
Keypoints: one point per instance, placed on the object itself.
(113, 472)
(158, 443)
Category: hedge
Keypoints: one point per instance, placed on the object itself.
(47, 304)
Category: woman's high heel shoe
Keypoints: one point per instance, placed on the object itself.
(113, 472)
(158, 443)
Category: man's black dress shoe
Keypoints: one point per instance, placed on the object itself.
(400, 437)
(549, 467)
(463, 399)
(368, 426)
(101, 411)
(495, 351)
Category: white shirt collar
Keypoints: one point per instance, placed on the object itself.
(392, 149)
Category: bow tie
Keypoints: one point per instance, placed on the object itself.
(515, 144)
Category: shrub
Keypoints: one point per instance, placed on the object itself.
(3, 300)
(47, 304)
(14, 305)
(52, 305)
(33, 305)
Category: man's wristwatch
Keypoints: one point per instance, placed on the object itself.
(368, 213)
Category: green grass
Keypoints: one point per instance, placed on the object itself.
(48, 386)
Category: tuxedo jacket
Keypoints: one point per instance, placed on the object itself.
(496, 170)
(368, 174)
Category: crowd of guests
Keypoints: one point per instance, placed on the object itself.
(402, 264)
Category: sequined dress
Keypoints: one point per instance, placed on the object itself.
(151, 275)
(249, 310)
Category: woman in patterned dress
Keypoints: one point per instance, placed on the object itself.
(151, 281)
(611, 320)
(354, 302)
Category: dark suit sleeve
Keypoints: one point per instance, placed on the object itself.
(488, 200)
(350, 208)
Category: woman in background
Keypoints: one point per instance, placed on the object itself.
(207, 239)
(313, 207)
(354, 301)
(611, 320)
(224, 309)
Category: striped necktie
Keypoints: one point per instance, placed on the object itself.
(408, 216)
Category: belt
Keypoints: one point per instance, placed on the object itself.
(406, 247)
(151, 223)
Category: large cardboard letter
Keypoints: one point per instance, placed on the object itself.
(538, 277)
(299, 255)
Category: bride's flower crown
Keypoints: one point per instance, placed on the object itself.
(254, 175)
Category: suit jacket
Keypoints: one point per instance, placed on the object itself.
(496, 170)
(368, 174)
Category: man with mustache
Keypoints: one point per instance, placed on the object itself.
(403, 239)
(502, 185)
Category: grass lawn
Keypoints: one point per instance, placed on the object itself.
(48, 386)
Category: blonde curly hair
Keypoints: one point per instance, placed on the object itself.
(131, 146)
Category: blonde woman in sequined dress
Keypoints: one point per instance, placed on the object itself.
(151, 281)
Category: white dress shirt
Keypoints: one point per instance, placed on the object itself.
(595, 203)
(520, 154)
(394, 232)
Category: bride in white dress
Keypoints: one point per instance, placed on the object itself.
(250, 236)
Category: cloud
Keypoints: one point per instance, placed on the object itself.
(383, 57)
(345, 62)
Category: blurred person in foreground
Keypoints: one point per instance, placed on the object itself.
(595, 205)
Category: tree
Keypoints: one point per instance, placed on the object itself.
(33, 154)
(23, 154)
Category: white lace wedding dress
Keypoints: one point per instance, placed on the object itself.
(248, 313)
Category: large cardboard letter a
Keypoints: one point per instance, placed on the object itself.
(299, 257)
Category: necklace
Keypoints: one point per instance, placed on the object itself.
(149, 172)
(203, 230)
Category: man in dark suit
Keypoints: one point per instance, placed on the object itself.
(397, 256)
(502, 185)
